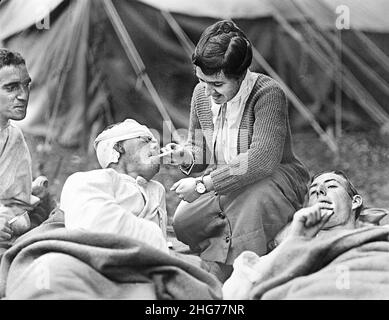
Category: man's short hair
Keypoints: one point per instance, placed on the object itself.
(10, 58)
(350, 188)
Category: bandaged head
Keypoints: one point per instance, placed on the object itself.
(105, 141)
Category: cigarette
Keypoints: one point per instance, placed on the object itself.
(17, 217)
(13, 220)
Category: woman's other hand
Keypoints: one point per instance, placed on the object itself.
(186, 189)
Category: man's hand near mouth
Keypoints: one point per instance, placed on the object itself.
(308, 222)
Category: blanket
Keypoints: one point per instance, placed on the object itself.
(350, 265)
(51, 262)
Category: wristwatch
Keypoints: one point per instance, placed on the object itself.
(200, 186)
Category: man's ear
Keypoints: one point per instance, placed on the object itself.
(357, 202)
(119, 147)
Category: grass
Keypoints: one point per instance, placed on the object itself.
(363, 156)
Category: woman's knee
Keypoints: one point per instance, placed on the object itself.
(179, 216)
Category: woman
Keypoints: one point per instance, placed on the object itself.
(239, 131)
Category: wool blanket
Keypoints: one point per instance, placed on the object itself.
(350, 265)
(51, 262)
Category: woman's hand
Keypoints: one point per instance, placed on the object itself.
(178, 155)
(309, 221)
(186, 189)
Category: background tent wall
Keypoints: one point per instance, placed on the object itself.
(102, 87)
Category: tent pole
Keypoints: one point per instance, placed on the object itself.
(336, 57)
(379, 82)
(336, 72)
(86, 96)
(186, 43)
(338, 89)
(258, 57)
(322, 38)
(375, 51)
(352, 87)
(137, 63)
(305, 112)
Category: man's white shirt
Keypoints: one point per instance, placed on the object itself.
(106, 201)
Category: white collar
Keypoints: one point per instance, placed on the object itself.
(139, 180)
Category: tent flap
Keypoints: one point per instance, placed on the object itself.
(82, 77)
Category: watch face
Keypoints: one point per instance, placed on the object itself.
(200, 188)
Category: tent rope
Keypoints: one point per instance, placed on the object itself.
(335, 56)
(380, 82)
(375, 51)
(299, 105)
(186, 43)
(351, 86)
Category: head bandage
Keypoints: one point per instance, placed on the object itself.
(105, 141)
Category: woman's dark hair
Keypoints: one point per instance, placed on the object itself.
(223, 47)
(351, 190)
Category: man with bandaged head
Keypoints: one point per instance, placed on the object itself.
(120, 198)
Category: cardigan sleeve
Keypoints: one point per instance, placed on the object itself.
(266, 148)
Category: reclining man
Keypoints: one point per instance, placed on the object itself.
(329, 192)
(18, 211)
(120, 198)
(321, 253)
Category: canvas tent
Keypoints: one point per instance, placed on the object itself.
(96, 62)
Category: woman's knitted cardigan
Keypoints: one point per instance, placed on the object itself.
(264, 139)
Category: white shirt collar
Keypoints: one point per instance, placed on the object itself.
(139, 180)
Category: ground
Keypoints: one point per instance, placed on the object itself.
(363, 156)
